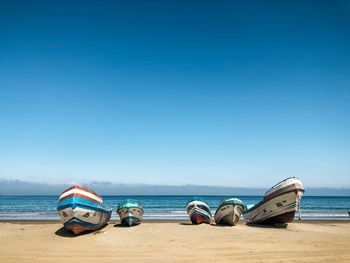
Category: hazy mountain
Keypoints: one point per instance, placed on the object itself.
(16, 187)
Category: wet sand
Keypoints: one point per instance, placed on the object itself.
(171, 241)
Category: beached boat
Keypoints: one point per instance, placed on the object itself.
(229, 211)
(198, 211)
(82, 209)
(130, 212)
(278, 205)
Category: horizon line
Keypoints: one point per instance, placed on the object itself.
(108, 183)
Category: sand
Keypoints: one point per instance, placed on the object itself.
(176, 242)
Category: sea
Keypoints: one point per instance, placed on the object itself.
(166, 207)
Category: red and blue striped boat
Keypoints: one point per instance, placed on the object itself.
(82, 209)
(198, 211)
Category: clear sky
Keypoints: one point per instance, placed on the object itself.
(237, 93)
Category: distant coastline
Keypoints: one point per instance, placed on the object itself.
(17, 187)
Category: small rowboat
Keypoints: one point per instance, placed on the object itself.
(199, 212)
(229, 211)
(82, 209)
(130, 212)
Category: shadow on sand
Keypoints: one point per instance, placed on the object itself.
(123, 225)
(187, 224)
(275, 225)
(190, 224)
(62, 232)
(219, 225)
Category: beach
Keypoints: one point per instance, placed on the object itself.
(176, 241)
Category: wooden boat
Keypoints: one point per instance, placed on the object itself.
(229, 211)
(82, 209)
(278, 205)
(199, 212)
(130, 212)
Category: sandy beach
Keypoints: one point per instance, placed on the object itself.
(176, 242)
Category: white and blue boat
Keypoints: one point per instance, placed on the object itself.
(82, 209)
(198, 211)
(130, 212)
(229, 211)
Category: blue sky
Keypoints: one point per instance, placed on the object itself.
(230, 93)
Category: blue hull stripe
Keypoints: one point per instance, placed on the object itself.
(80, 202)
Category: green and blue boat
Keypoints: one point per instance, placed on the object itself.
(130, 212)
(229, 211)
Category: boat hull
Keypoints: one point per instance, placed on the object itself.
(130, 212)
(130, 217)
(199, 212)
(78, 218)
(131, 221)
(80, 210)
(197, 217)
(282, 218)
(228, 213)
(279, 209)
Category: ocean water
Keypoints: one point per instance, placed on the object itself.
(165, 207)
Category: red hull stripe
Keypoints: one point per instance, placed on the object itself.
(82, 188)
(200, 219)
(81, 196)
(78, 229)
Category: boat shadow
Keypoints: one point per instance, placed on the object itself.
(187, 224)
(276, 225)
(63, 232)
(123, 225)
(190, 224)
(219, 225)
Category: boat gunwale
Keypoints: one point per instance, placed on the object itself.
(292, 177)
(135, 204)
(230, 202)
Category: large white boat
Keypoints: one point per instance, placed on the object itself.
(279, 204)
(229, 211)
